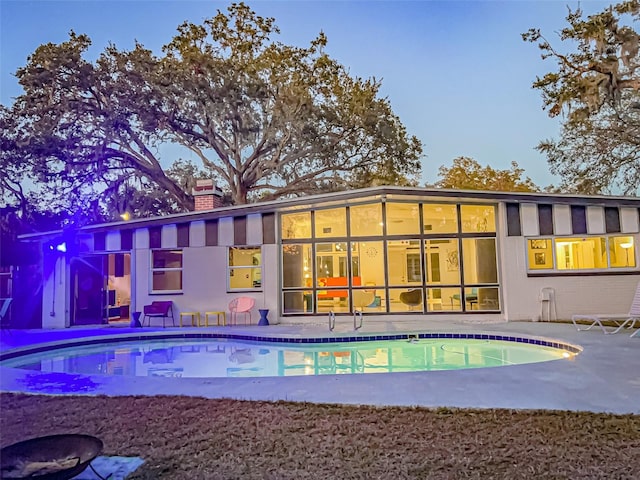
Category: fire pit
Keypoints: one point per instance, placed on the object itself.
(56, 457)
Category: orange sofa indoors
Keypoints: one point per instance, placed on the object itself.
(335, 282)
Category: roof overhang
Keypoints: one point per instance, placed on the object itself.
(352, 197)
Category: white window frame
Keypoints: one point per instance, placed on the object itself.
(555, 270)
(172, 269)
(245, 267)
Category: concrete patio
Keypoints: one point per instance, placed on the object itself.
(605, 377)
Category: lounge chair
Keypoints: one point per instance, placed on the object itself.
(627, 319)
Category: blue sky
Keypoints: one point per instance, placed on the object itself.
(457, 73)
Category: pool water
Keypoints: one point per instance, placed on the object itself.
(219, 358)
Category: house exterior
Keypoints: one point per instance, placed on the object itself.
(392, 253)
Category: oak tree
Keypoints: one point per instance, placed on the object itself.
(596, 87)
(264, 119)
(467, 174)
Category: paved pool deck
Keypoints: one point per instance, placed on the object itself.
(605, 377)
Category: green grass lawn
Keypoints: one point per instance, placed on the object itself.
(195, 438)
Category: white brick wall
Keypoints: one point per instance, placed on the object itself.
(573, 294)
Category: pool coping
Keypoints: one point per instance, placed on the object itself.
(278, 339)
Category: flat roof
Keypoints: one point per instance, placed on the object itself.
(355, 196)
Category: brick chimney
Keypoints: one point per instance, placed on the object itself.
(206, 195)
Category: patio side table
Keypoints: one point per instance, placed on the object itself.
(263, 316)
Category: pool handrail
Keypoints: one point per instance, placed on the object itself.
(356, 314)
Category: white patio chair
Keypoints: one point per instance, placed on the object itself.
(627, 319)
(362, 299)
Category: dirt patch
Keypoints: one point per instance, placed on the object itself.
(195, 438)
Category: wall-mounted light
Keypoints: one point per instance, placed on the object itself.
(126, 216)
(57, 246)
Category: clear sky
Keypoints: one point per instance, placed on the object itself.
(457, 73)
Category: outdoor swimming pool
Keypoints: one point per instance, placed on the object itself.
(233, 357)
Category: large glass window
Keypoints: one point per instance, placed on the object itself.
(444, 299)
(166, 271)
(387, 260)
(442, 260)
(404, 262)
(332, 276)
(479, 260)
(297, 302)
(403, 218)
(365, 299)
(478, 218)
(406, 299)
(297, 265)
(331, 223)
(581, 253)
(296, 225)
(438, 218)
(297, 272)
(366, 220)
(368, 261)
(480, 267)
(482, 298)
(474, 298)
(331, 262)
(245, 268)
(622, 252)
